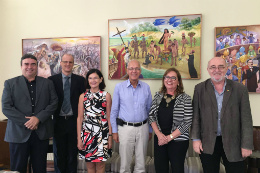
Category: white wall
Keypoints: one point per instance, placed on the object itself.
(70, 18)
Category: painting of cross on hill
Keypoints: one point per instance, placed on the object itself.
(239, 46)
(158, 43)
(48, 51)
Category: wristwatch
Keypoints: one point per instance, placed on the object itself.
(171, 136)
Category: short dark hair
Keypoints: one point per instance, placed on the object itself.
(102, 85)
(28, 56)
(249, 60)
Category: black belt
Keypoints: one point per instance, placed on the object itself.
(135, 124)
(66, 117)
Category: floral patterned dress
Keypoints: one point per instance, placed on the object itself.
(94, 133)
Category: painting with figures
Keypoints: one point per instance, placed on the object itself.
(239, 46)
(158, 43)
(48, 51)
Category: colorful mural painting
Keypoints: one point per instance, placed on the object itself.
(239, 46)
(48, 51)
(158, 43)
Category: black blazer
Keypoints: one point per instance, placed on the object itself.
(76, 89)
(16, 104)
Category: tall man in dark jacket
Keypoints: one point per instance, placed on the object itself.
(222, 121)
(68, 87)
(28, 101)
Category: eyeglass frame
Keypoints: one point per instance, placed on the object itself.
(220, 68)
(66, 62)
(132, 69)
(174, 78)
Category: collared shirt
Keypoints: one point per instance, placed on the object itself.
(130, 104)
(32, 91)
(63, 81)
(219, 98)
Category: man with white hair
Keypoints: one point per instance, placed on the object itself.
(222, 121)
(130, 108)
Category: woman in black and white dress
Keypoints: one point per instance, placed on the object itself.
(93, 124)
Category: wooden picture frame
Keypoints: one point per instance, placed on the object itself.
(240, 47)
(175, 37)
(48, 51)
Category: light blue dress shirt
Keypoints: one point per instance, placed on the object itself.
(130, 104)
(219, 98)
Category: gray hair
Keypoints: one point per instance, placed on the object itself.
(217, 57)
(133, 61)
(68, 55)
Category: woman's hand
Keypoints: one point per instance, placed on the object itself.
(110, 142)
(80, 145)
(162, 139)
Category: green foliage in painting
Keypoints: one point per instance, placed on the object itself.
(144, 27)
(187, 24)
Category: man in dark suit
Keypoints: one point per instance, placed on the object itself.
(222, 122)
(251, 76)
(28, 101)
(68, 87)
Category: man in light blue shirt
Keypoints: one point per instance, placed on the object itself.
(131, 104)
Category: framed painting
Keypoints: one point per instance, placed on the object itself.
(158, 43)
(239, 46)
(48, 51)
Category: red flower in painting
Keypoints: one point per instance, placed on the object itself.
(85, 98)
(104, 104)
(103, 113)
(101, 91)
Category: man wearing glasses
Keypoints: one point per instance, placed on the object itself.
(130, 108)
(68, 86)
(222, 121)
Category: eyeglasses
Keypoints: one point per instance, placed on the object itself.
(66, 62)
(132, 69)
(213, 68)
(170, 77)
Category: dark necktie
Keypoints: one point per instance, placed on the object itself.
(66, 101)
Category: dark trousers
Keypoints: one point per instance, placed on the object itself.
(174, 152)
(33, 147)
(211, 163)
(65, 146)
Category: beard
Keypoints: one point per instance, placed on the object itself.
(217, 80)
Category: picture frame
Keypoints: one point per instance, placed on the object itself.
(239, 46)
(48, 51)
(158, 43)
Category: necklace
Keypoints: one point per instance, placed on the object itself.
(168, 99)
